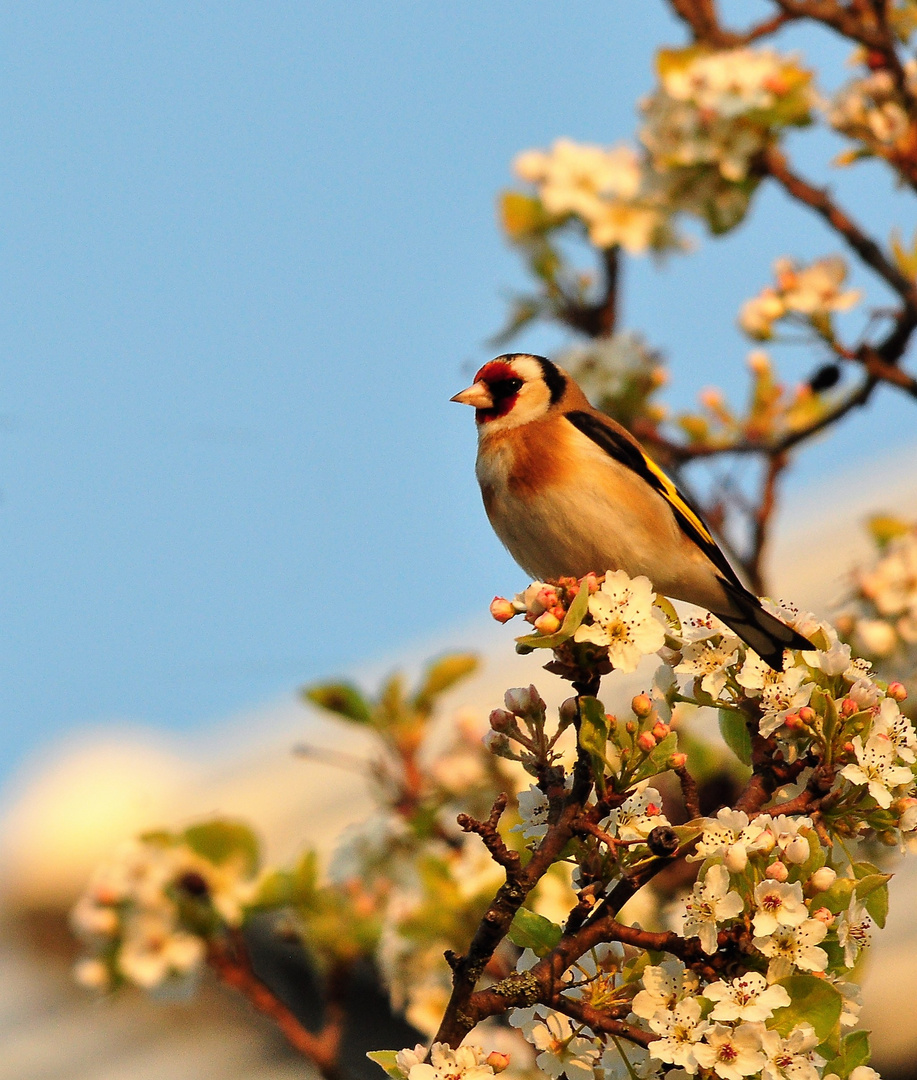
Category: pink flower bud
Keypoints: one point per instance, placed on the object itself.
(824, 916)
(611, 721)
(807, 714)
(777, 871)
(678, 760)
(523, 700)
(646, 741)
(590, 582)
(642, 706)
(502, 609)
(736, 858)
(897, 691)
(660, 730)
(501, 720)
(497, 1061)
(630, 727)
(792, 721)
(822, 879)
(849, 707)
(547, 623)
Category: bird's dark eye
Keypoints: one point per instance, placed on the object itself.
(505, 388)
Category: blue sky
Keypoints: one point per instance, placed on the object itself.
(250, 252)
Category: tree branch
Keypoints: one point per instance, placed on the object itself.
(774, 163)
(230, 961)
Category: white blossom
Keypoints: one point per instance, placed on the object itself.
(663, 987)
(681, 1029)
(897, 728)
(790, 947)
(778, 904)
(563, 1051)
(623, 620)
(637, 816)
(875, 767)
(731, 1052)
(464, 1063)
(791, 1058)
(709, 904)
(748, 998)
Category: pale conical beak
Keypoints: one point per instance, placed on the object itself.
(477, 395)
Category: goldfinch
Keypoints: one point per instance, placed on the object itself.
(569, 491)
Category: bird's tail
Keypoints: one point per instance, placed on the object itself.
(764, 632)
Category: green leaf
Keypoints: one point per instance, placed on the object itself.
(872, 892)
(837, 898)
(593, 737)
(853, 1052)
(529, 930)
(575, 615)
(341, 698)
(524, 216)
(386, 1059)
(884, 528)
(220, 841)
(735, 734)
(815, 1001)
(441, 675)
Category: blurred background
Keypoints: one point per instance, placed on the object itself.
(251, 251)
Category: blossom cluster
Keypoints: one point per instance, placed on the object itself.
(824, 702)
(713, 113)
(882, 621)
(620, 374)
(608, 190)
(614, 615)
(870, 110)
(807, 293)
(147, 914)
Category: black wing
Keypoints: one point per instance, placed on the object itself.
(630, 455)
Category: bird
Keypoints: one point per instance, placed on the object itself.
(569, 492)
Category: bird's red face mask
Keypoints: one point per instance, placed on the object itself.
(493, 392)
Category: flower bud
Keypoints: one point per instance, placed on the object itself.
(547, 623)
(660, 730)
(848, 707)
(777, 871)
(523, 701)
(498, 744)
(646, 741)
(590, 582)
(824, 916)
(497, 1061)
(736, 858)
(792, 721)
(897, 691)
(630, 727)
(501, 720)
(502, 609)
(797, 850)
(642, 706)
(678, 760)
(822, 879)
(568, 711)
(612, 722)
(807, 714)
